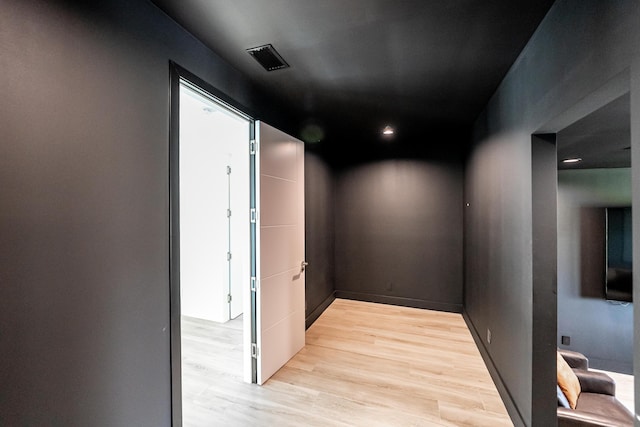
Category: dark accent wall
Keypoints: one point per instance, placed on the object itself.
(84, 172)
(579, 59)
(319, 235)
(544, 183)
(399, 233)
(602, 330)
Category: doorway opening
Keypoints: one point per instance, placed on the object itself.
(214, 206)
(581, 164)
(236, 232)
(595, 312)
(211, 245)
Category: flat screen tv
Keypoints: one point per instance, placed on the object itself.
(619, 278)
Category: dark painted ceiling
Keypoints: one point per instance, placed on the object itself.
(601, 139)
(357, 65)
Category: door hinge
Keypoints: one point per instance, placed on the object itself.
(254, 284)
(229, 298)
(228, 256)
(228, 170)
(254, 351)
(253, 146)
(228, 213)
(253, 215)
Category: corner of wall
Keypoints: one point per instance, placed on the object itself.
(503, 390)
(317, 312)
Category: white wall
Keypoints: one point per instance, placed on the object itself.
(210, 140)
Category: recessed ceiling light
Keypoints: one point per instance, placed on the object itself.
(572, 160)
(388, 130)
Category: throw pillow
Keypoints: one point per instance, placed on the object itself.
(568, 381)
(562, 399)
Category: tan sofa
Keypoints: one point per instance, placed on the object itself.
(597, 404)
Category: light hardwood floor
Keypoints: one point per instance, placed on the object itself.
(364, 364)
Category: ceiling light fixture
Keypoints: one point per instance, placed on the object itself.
(388, 130)
(572, 160)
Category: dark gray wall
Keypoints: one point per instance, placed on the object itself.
(84, 253)
(319, 239)
(544, 179)
(399, 233)
(577, 61)
(602, 330)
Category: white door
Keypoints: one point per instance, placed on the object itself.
(280, 294)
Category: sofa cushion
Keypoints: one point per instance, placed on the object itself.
(595, 382)
(574, 359)
(606, 405)
(567, 380)
(572, 418)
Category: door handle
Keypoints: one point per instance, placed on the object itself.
(303, 266)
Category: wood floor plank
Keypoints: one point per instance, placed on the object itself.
(364, 364)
